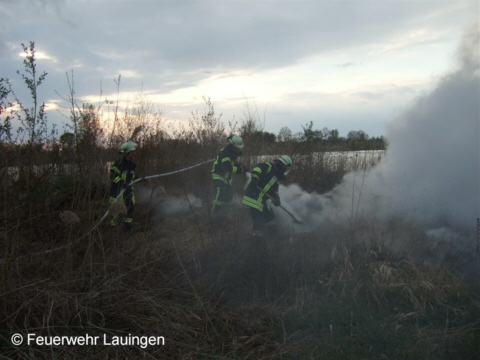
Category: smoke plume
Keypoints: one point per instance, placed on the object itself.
(430, 174)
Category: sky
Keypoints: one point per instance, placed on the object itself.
(346, 65)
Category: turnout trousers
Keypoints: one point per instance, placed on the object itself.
(223, 195)
(261, 218)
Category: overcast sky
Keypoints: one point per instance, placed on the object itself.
(346, 65)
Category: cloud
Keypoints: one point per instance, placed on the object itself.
(345, 65)
(369, 95)
(235, 35)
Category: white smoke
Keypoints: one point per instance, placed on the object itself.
(174, 205)
(430, 174)
(161, 202)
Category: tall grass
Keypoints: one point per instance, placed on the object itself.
(341, 300)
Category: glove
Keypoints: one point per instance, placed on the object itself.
(276, 202)
(243, 168)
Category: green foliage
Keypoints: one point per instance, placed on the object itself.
(34, 119)
(207, 129)
(333, 135)
(90, 131)
(263, 137)
(359, 140)
(4, 91)
(6, 127)
(67, 140)
(359, 135)
(311, 135)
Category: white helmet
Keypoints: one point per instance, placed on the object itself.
(285, 160)
(127, 147)
(236, 141)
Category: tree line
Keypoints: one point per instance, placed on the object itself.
(324, 139)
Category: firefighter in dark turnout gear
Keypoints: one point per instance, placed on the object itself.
(223, 169)
(122, 173)
(264, 181)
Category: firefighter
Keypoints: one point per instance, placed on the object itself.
(223, 169)
(122, 173)
(264, 181)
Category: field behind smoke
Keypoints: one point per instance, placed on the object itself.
(384, 265)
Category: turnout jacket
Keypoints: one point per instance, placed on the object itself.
(225, 165)
(264, 176)
(122, 173)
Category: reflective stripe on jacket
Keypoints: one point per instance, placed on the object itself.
(225, 165)
(263, 176)
(122, 173)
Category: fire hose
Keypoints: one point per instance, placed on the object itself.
(116, 199)
(143, 179)
(294, 218)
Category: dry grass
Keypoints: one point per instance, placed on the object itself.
(338, 299)
(69, 217)
(212, 291)
(116, 285)
(118, 208)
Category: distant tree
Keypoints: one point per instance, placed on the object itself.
(333, 135)
(207, 129)
(358, 140)
(377, 143)
(143, 118)
(3, 96)
(67, 140)
(251, 122)
(6, 127)
(325, 132)
(90, 131)
(311, 135)
(33, 129)
(263, 137)
(285, 134)
(34, 119)
(357, 135)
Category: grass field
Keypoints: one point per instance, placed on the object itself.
(375, 291)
